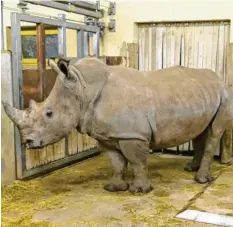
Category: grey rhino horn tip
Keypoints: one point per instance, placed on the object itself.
(4, 103)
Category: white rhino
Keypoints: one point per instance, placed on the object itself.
(129, 112)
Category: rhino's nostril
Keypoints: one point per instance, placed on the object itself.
(41, 143)
(29, 141)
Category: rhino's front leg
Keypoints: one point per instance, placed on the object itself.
(136, 152)
(119, 164)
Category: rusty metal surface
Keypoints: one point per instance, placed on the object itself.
(40, 38)
(31, 89)
(37, 81)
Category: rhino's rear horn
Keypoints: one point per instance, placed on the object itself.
(53, 65)
(32, 105)
(14, 114)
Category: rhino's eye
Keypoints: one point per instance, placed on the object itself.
(49, 113)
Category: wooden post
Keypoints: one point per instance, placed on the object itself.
(115, 60)
(226, 142)
(133, 55)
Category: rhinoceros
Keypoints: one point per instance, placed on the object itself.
(130, 112)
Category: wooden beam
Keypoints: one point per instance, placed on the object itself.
(226, 142)
(133, 55)
(115, 60)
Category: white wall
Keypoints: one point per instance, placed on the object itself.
(130, 11)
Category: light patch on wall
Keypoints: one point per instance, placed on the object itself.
(205, 217)
(3, 166)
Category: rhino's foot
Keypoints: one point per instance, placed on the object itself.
(116, 186)
(190, 167)
(203, 179)
(138, 187)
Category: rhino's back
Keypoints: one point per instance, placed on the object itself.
(176, 103)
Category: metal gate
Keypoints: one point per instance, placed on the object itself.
(197, 44)
(75, 146)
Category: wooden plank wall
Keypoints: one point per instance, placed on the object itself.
(80, 142)
(197, 45)
(132, 55)
(8, 161)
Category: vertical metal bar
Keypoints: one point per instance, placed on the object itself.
(83, 44)
(80, 44)
(40, 35)
(98, 5)
(86, 44)
(2, 28)
(16, 57)
(96, 44)
(62, 37)
(17, 88)
(62, 52)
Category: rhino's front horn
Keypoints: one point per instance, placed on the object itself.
(14, 114)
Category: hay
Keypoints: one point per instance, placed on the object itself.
(24, 221)
(83, 182)
(19, 202)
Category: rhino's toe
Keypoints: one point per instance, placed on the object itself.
(204, 179)
(140, 188)
(113, 187)
(190, 167)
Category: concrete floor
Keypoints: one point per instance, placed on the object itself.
(73, 196)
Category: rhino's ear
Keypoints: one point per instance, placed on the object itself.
(63, 65)
(92, 74)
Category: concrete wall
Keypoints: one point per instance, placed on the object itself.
(130, 11)
(8, 163)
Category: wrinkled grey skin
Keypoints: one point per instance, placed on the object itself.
(129, 112)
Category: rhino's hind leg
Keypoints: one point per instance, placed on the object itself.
(119, 164)
(136, 152)
(199, 146)
(215, 131)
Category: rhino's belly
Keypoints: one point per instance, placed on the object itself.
(180, 127)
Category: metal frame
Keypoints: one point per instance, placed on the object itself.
(81, 4)
(18, 100)
(77, 7)
(60, 163)
(112, 8)
(62, 37)
(2, 29)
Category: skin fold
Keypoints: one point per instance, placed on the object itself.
(129, 112)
